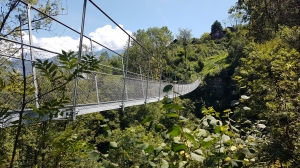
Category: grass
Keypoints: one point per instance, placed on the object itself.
(214, 64)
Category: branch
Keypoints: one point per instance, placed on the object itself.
(24, 25)
(23, 107)
(12, 7)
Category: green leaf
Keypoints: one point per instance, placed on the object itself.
(152, 164)
(149, 149)
(147, 119)
(239, 156)
(206, 144)
(246, 151)
(157, 150)
(190, 137)
(168, 106)
(174, 131)
(234, 163)
(93, 155)
(197, 157)
(218, 129)
(172, 115)
(178, 147)
(199, 151)
(158, 127)
(143, 146)
(245, 97)
(165, 164)
(113, 144)
(167, 100)
(182, 164)
(178, 107)
(167, 88)
(52, 69)
(246, 108)
(234, 102)
(227, 111)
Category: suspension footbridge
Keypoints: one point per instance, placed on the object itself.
(105, 89)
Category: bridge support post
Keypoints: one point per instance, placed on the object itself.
(143, 92)
(148, 75)
(36, 93)
(79, 60)
(95, 77)
(97, 92)
(125, 75)
(159, 84)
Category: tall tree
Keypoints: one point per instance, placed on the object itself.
(216, 26)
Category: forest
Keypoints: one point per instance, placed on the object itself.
(244, 114)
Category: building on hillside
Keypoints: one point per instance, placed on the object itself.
(219, 34)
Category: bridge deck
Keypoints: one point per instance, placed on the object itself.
(82, 109)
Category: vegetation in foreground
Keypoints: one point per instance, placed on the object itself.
(245, 114)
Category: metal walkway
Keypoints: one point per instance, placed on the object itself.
(107, 89)
(82, 109)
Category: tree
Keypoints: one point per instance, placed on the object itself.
(268, 74)
(155, 41)
(216, 26)
(264, 17)
(12, 9)
(184, 34)
(13, 18)
(205, 37)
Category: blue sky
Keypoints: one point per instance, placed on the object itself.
(197, 15)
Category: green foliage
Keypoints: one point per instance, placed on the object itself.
(185, 141)
(45, 142)
(264, 18)
(269, 73)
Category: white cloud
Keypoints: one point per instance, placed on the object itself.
(26, 38)
(58, 43)
(113, 38)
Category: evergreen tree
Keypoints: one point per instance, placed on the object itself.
(216, 26)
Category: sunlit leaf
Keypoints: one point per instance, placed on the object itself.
(245, 97)
(113, 144)
(261, 126)
(157, 150)
(152, 164)
(246, 108)
(199, 151)
(165, 164)
(172, 115)
(174, 131)
(143, 146)
(197, 157)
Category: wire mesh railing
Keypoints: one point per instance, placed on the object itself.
(109, 87)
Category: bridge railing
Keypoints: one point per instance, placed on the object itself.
(115, 85)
